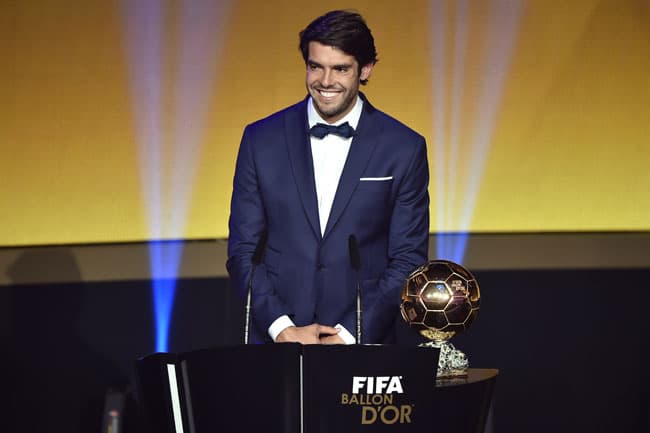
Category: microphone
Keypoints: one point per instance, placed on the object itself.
(256, 260)
(355, 262)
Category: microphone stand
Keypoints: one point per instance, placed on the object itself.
(355, 262)
(256, 259)
(248, 307)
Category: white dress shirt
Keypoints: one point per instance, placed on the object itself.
(329, 155)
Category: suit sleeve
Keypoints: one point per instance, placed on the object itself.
(246, 225)
(408, 243)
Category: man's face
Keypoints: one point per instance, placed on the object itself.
(333, 79)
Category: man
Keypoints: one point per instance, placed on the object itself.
(308, 190)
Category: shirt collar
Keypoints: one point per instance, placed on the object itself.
(352, 117)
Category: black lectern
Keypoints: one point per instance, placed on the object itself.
(299, 389)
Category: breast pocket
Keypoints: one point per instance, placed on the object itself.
(371, 204)
(375, 185)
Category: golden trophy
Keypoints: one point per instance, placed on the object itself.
(440, 299)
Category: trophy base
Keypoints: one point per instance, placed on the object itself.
(452, 362)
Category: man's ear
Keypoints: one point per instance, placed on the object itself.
(365, 71)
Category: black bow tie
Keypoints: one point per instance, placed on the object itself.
(320, 130)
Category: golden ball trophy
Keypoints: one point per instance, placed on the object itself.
(440, 299)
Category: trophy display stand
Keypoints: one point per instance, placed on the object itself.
(452, 362)
(308, 389)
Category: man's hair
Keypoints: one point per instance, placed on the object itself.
(345, 30)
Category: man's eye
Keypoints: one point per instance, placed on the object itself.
(342, 70)
(313, 67)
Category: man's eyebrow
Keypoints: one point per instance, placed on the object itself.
(339, 66)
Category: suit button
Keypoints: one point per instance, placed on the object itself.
(320, 266)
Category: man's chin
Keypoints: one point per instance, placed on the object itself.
(328, 112)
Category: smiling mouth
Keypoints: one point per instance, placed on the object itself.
(328, 93)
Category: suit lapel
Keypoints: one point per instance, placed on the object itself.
(361, 148)
(295, 125)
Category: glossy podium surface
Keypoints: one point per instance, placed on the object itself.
(309, 389)
(462, 404)
(474, 375)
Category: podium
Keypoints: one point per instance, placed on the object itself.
(308, 389)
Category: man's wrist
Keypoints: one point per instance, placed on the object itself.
(279, 325)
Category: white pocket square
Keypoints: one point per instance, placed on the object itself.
(375, 179)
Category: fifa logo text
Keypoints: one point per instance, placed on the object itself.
(377, 385)
(375, 395)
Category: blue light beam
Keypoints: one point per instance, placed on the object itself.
(454, 208)
(201, 24)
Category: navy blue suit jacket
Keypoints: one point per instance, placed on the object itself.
(308, 276)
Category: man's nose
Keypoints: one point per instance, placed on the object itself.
(326, 79)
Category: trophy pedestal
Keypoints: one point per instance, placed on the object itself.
(452, 362)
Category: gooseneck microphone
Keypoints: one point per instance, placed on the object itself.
(355, 262)
(256, 260)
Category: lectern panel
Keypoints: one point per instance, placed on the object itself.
(368, 388)
(254, 388)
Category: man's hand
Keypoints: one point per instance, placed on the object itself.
(331, 339)
(310, 334)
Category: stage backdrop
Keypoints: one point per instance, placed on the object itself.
(120, 120)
